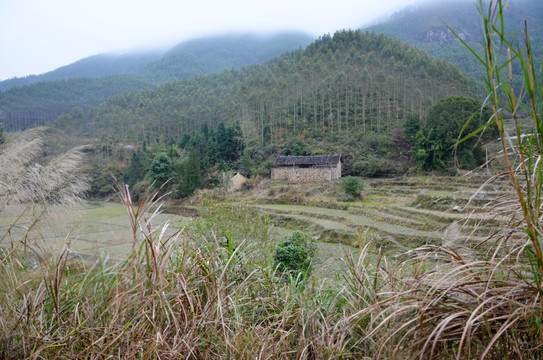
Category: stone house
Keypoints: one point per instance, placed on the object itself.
(307, 169)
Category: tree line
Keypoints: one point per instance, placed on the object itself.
(351, 81)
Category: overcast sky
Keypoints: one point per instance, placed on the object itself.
(37, 36)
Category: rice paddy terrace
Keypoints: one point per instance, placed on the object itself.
(395, 214)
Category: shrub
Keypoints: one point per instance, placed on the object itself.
(352, 185)
(294, 255)
(161, 169)
(375, 166)
(433, 143)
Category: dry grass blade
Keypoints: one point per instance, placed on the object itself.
(486, 305)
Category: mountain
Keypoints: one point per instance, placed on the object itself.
(96, 66)
(349, 93)
(425, 26)
(337, 81)
(42, 98)
(214, 54)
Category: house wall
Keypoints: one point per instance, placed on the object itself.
(294, 174)
(337, 172)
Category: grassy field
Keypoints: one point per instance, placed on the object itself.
(216, 290)
(393, 215)
(95, 228)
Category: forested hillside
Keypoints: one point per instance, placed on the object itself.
(31, 105)
(96, 66)
(44, 97)
(350, 93)
(425, 26)
(214, 54)
(352, 81)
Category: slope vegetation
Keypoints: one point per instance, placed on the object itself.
(425, 26)
(89, 82)
(352, 81)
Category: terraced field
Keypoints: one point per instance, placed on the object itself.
(394, 214)
(398, 214)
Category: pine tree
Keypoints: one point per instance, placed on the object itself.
(192, 175)
(135, 171)
(161, 169)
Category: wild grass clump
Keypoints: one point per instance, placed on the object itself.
(441, 302)
(34, 190)
(232, 226)
(180, 294)
(25, 180)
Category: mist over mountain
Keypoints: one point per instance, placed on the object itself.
(426, 26)
(96, 66)
(38, 99)
(193, 57)
(214, 54)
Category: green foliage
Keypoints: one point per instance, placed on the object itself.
(297, 147)
(89, 82)
(294, 255)
(376, 166)
(434, 142)
(411, 127)
(71, 122)
(192, 175)
(161, 169)
(352, 185)
(429, 150)
(135, 170)
(228, 142)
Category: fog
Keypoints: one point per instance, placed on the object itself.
(37, 36)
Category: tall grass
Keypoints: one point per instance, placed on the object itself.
(186, 294)
(24, 180)
(208, 292)
(441, 302)
(32, 191)
(211, 292)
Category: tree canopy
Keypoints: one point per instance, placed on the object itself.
(161, 169)
(435, 142)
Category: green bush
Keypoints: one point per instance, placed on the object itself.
(294, 255)
(161, 169)
(373, 166)
(352, 185)
(450, 118)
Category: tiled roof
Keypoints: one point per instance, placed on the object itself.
(330, 160)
